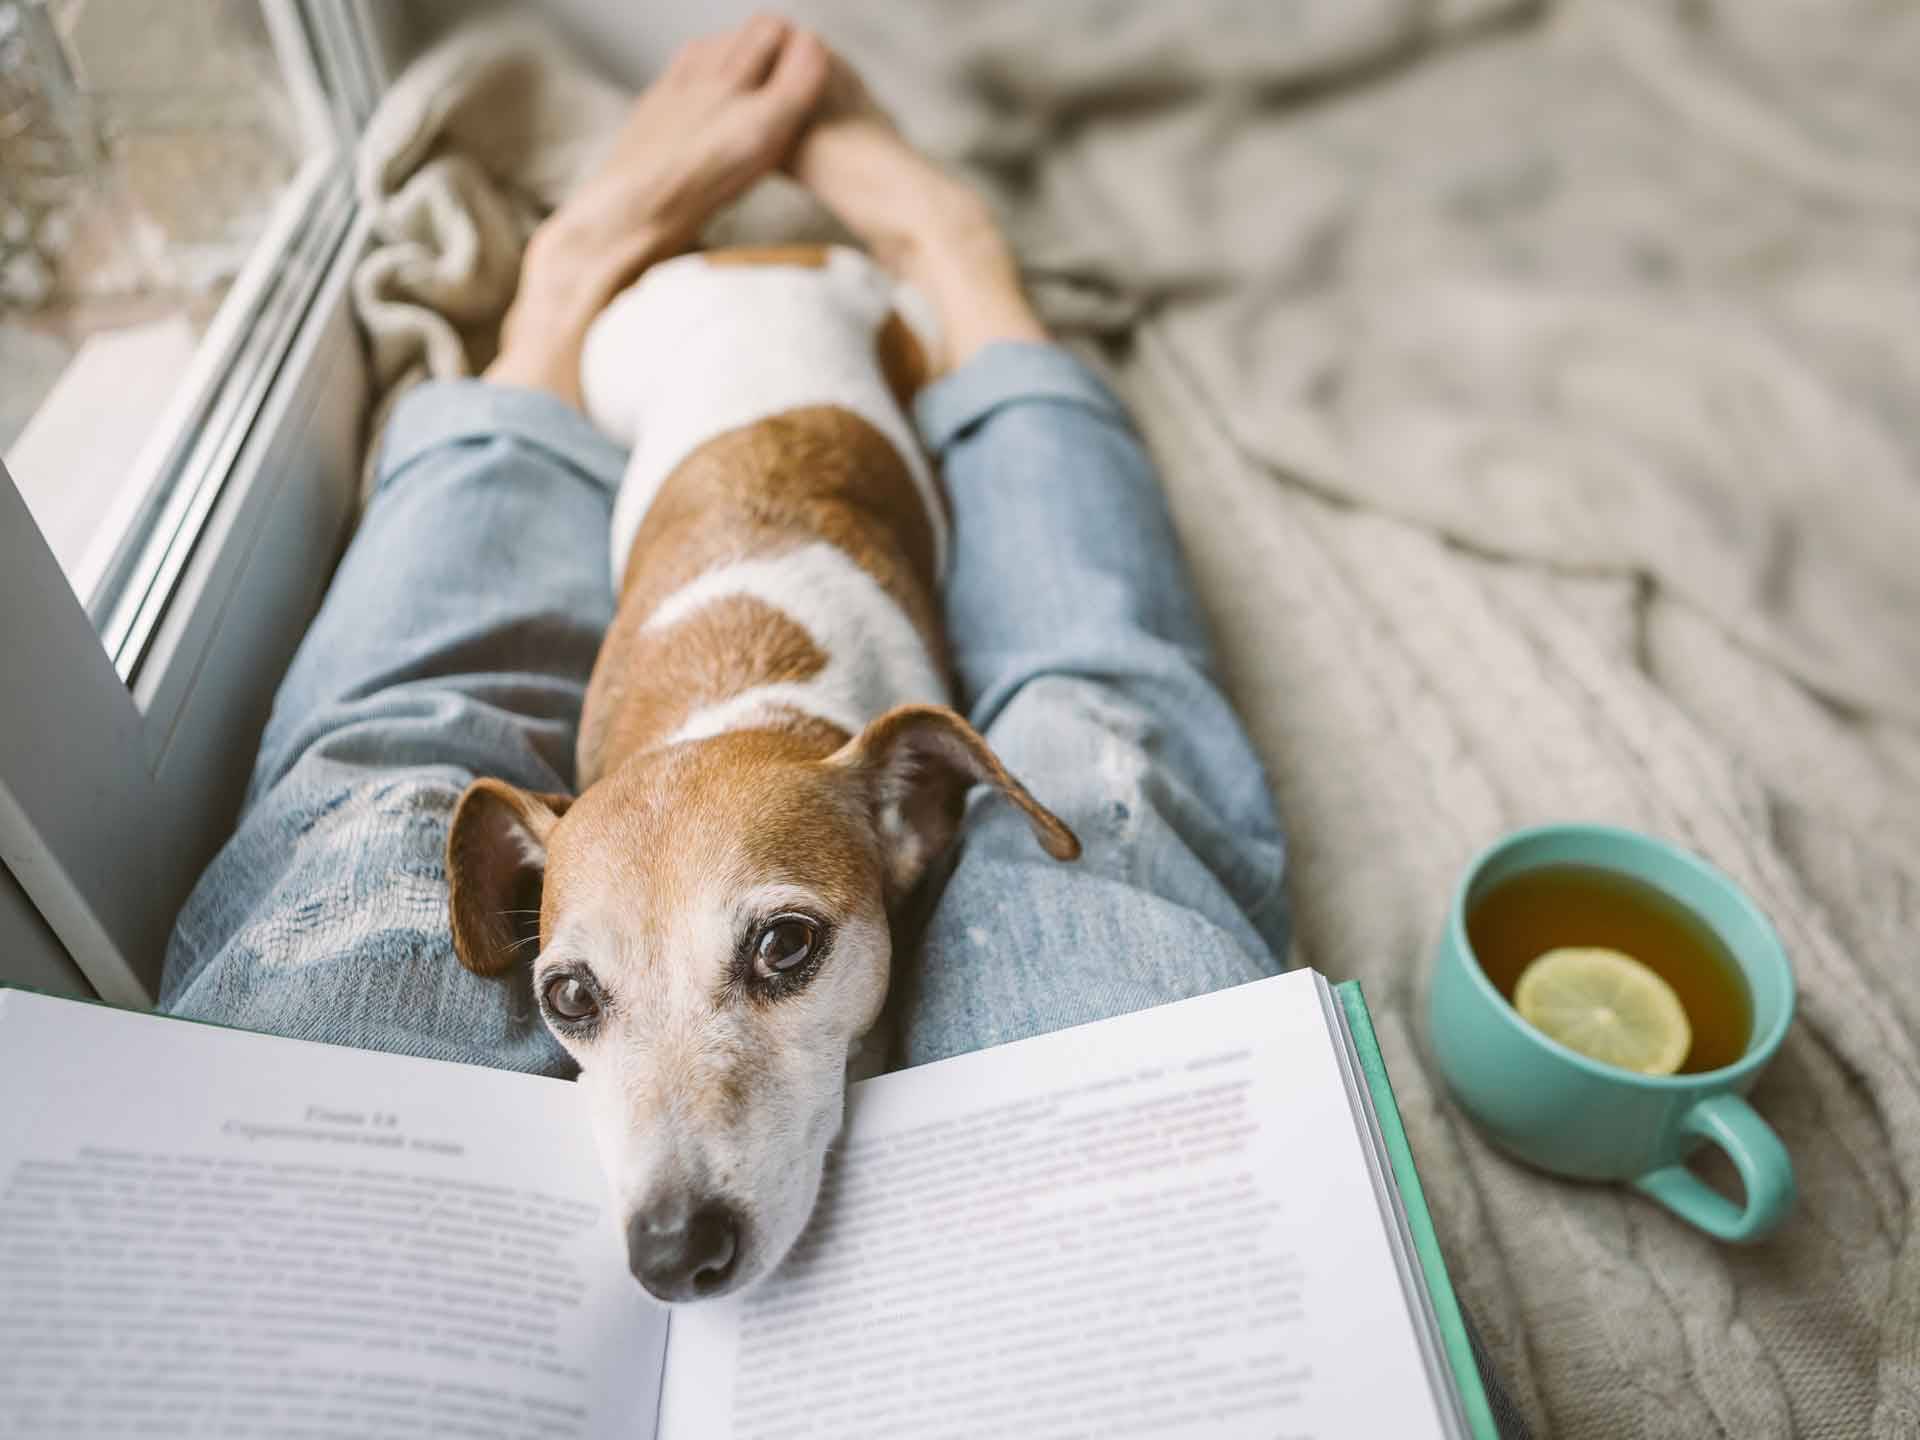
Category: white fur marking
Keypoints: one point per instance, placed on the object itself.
(876, 659)
(693, 350)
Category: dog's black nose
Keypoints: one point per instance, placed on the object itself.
(682, 1250)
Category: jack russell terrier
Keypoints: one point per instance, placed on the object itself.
(766, 763)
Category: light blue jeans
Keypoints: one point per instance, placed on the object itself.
(456, 642)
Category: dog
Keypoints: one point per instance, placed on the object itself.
(767, 763)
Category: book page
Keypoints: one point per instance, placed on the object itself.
(1160, 1225)
(209, 1232)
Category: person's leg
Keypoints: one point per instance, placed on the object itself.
(1081, 655)
(1079, 650)
(458, 635)
(455, 641)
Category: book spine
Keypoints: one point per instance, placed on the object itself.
(1446, 1306)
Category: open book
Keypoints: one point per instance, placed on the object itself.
(1200, 1220)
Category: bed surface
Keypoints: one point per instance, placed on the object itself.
(1538, 390)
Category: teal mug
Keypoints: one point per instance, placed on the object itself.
(1561, 1111)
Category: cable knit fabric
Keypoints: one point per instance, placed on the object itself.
(1535, 385)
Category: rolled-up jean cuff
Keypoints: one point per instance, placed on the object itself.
(474, 412)
(1004, 373)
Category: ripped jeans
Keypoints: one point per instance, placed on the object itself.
(456, 642)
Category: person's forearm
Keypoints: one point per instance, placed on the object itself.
(566, 279)
(724, 113)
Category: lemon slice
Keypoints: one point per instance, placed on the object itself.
(1608, 1006)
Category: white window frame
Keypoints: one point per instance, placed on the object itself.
(122, 765)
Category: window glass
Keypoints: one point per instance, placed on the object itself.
(151, 150)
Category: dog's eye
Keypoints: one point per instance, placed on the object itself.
(569, 998)
(785, 943)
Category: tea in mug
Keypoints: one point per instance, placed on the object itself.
(1518, 919)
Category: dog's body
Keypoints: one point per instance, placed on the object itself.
(778, 533)
(765, 766)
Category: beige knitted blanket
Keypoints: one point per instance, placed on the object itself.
(1538, 389)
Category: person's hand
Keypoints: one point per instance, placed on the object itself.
(725, 112)
(927, 227)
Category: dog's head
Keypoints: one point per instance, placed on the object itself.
(713, 932)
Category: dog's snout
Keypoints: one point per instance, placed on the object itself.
(681, 1249)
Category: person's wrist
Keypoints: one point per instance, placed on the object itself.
(990, 324)
(567, 277)
(966, 269)
(572, 270)
(550, 366)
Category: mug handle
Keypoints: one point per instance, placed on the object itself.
(1766, 1172)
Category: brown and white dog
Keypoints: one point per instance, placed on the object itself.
(766, 764)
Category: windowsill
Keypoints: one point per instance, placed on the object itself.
(78, 452)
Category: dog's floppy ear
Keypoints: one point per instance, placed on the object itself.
(918, 762)
(496, 863)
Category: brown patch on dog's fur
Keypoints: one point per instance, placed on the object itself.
(490, 884)
(810, 257)
(918, 740)
(718, 651)
(821, 737)
(901, 359)
(917, 763)
(664, 824)
(819, 473)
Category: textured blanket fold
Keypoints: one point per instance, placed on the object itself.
(1536, 388)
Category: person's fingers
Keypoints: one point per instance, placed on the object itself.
(698, 56)
(752, 49)
(795, 84)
